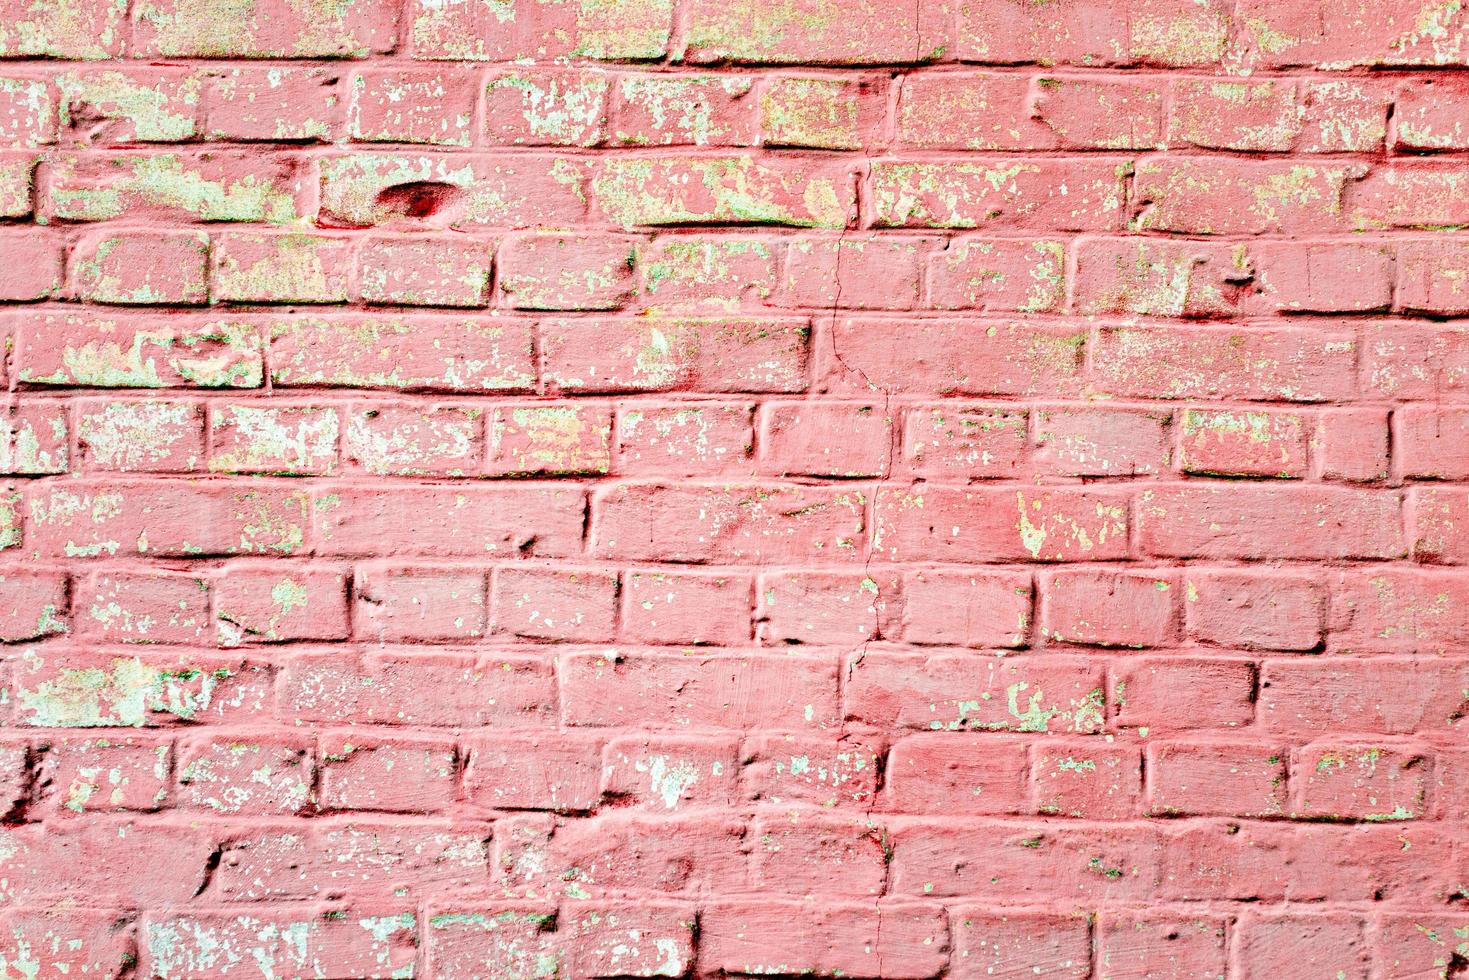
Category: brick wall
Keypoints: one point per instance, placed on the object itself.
(626, 488)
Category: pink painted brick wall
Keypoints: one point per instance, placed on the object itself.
(685, 488)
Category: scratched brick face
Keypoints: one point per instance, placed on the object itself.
(609, 489)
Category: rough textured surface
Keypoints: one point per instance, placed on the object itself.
(629, 488)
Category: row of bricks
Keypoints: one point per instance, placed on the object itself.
(954, 440)
(1386, 609)
(854, 357)
(882, 689)
(265, 773)
(1169, 33)
(599, 272)
(827, 856)
(743, 524)
(1175, 193)
(562, 106)
(731, 936)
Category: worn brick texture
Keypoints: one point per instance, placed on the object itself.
(684, 488)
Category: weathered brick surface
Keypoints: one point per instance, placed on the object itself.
(597, 489)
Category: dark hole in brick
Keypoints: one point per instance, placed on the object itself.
(418, 199)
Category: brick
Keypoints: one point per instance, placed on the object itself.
(1289, 364)
(686, 608)
(172, 519)
(723, 190)
(546, 107)
(861, 32)
(818, 608)
(1440, 519)
(664, 855)
(209, 944)
(125, 352)
(293, 441)
(725, 691)
(419, 604)
(153, 436)
(1127, 609)
(819, 854)
(472, 522)
(1225, 443)
(102, 775)
(1431, 363)
(1433, 277)
(289, 268)
(964, 441)
(741, 523)
(1135, 946)
(33, 438)
(1160, 278)
(1425, 945)
(413, 105)
(1272, 944)
(958, 692)
(520, 773)
(1312, 697)
(987, 859)
(1429, 442)
(799, 439)
(1101, 442)
(948, 773)
(821, 112)
(667, 773)
(277, 103)
(140, 607)
(78, 943)
(656, 354)
(567, 272)
(93, 30)
(818, 770)
(279, 604)
(972, 609)
(40, 277)
(423, 271)
(29, 112)
(436, 690)
(1423, 196)
(381, 860)
(989, 943)
(408, 440)
(1215, 197)
(1231, 779)
(417, 191)
(1396, 610)
(1036, 524)
(17, 184)
(167, 29)
(653, 109)
(1352, 444)
(108, 870)
(550, 439)
(998, 276)
(555, 604)
(846, 273)
(1298, 33)
(1246, 522)
(360, 772)
(636, 31)
(62, 688)
(905, 941)
(1341, 780)
(1168, 33)
(1160, 694)
(1423, 111)
(1089, 781)
(222, 185)
(721, 272)
(108, 106)
(684, 440)
(138, 269)
(33, 604)
(269, 776)
(402, 353)
(1000, 194)
(1281, 611)
(944, 358)
(1321, 278)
